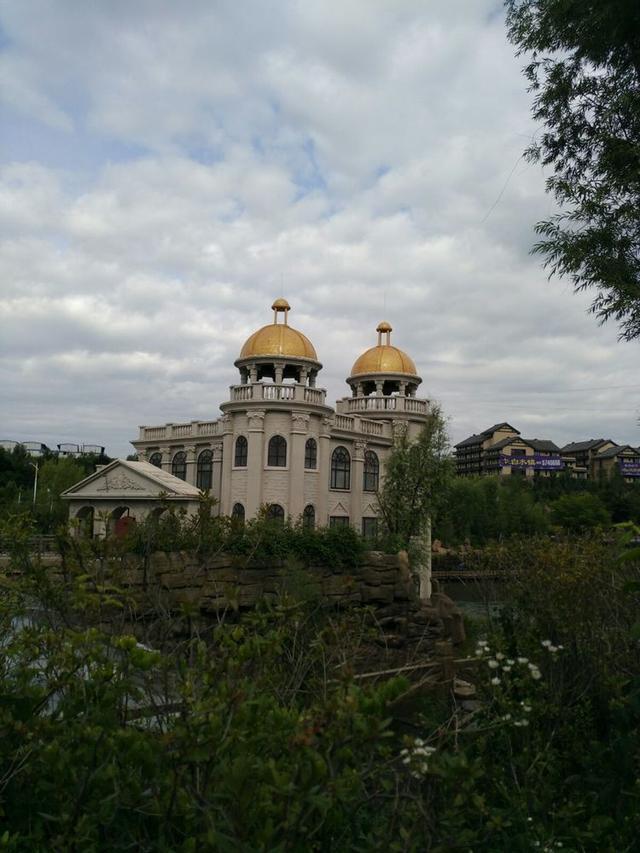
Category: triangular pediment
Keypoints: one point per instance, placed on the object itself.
(339, 509)
(125, 479)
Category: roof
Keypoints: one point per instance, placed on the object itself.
(591, 444)
(504, 442)
(496, 427)
(384, 358)
(278, 339)
(542, 445)
(473, 439)
(612, 452)
(162, 481)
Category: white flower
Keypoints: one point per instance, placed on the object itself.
(553, 649)
(493, 664)
(526, 708)
(479, 652)
(546, 643)
(499, 656)
(536, 674)
(506, 717)
(521, 723)
(523, 660)
(560, 648)
(495, 681)
(510, 661)
(506, 669)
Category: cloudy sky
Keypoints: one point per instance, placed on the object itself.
(168, 168)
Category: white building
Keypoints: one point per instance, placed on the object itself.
(278, 444)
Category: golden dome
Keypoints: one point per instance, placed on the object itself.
(384, 359)
(279, 339)
(384, 327)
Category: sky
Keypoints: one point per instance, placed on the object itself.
(168, 169)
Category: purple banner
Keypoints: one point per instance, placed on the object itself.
(538, 462)
(630, 467)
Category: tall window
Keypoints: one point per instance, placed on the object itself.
(309, 517)
(240, 457)
(204, 475)
(311, 453)
(371, 472)
(277, 455)
(156, 459)
(237, 513)
(340, 469)
(275, 513)
(179, 465)
(369, 528)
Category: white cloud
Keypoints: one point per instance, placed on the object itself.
(361, 157)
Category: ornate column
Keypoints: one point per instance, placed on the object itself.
(255, 462)
(379, 386)
(279, 366)
(227, 462)
(297, 439)
(191, 464)
(217, 448)
(357, 474)
(324, 471)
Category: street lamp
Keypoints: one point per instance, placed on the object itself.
(35, 482)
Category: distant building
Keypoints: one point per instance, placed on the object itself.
(500, 449)
(579, 455)
(624, 460)
(38, 448)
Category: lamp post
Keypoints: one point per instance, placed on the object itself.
(35, 482)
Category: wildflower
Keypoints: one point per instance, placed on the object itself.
(479, 652)
(546, 643)
(499, 656)
(526, 708)
(560, 648)
(536, 674)
(506, 717)
(510, 661)
(506, 669)
(493, 664)
(521, 723)
(495, 681)
(553, 649)
(523, 660)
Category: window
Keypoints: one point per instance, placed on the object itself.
(156, 459)
(311, 453)
(204, 475)
(340, 469)
(275, 513)
(369, 528)
(371, 472)
(339, 521)
(240, 458)
(309, 517)
(179, 465)
(277, 455)
(237, 513)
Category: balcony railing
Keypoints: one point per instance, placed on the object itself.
(354, 405)
(193, 429)
(270, 391)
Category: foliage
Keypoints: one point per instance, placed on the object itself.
(579, 513)
(254, 735)
(260, 539)
(418, 475)
(584, 70)
(55, 474)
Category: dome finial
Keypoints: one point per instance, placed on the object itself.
(281, 306)
(384, 327)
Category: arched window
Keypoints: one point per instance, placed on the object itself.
(277, 455)
(309, 517)
(371, 472)
(156, 459)
(240, 457)
(237, 513)
(275, 513)
(179, 465)
(204, 473)
(311, 453)
(340, 469)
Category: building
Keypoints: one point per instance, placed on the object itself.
(278, 443)
(500, 449)
(579, 456)
(623, 460)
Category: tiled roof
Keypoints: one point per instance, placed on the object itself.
(591, 444)
(612, 452)
(473, 439)
(542, 445)
(496, 427)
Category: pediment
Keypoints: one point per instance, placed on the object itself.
(125, 479)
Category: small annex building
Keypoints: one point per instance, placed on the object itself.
(117, 494)
(278, 445)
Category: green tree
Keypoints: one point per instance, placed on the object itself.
(584, 71)
(580, 512)
(417, 478)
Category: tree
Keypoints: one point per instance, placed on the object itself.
(585, 72)
(417, 477)
(578, 513)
